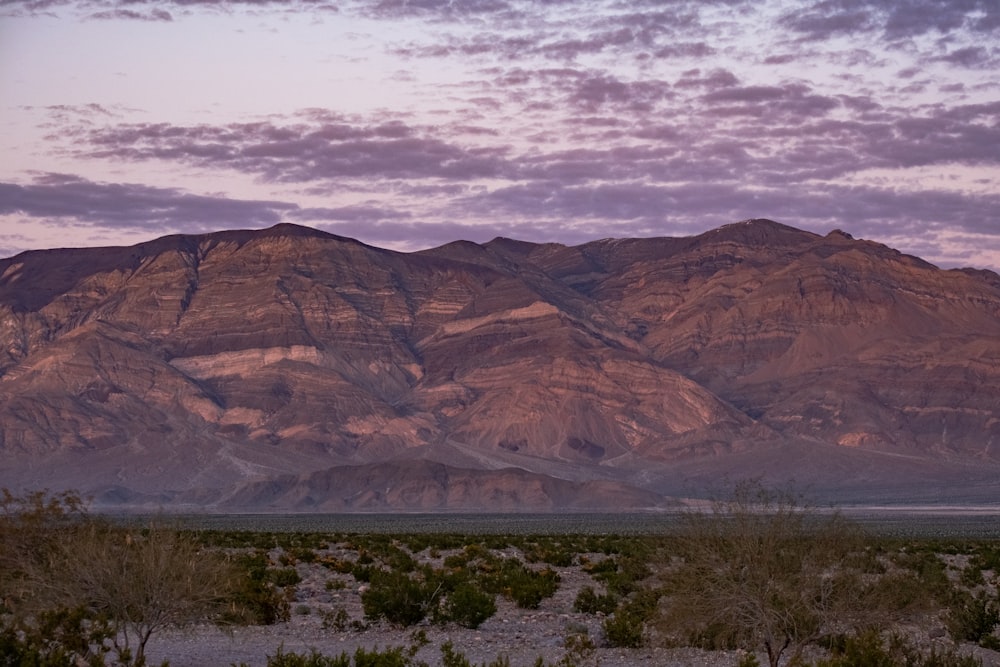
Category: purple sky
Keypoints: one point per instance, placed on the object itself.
(411, 123)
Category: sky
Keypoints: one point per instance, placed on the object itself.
(408, 124)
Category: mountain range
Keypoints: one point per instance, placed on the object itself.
(289, 369)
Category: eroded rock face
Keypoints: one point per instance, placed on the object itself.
(193, 365)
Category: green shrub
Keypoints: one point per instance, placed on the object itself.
(313, 659)
(972, 574)
(398, 598)
(865, 650)
(256, 600)
(526, 587)
(624, 628)
(987, 557)
(343, 566)
(869, 650)
(627, 626)
(603, 565)
(390, 657)
(64, 638)
(622, 575)
(589, 602)
(467, 606)
(898, 593)
(304, 555)
(283, 576)
(974, 618)
(550, 552)
(456, 561)
(395, 558)
(930, 570)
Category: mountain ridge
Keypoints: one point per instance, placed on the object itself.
(195, 365)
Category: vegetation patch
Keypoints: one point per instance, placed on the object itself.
(761, 572)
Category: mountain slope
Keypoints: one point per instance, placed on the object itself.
(193, 366)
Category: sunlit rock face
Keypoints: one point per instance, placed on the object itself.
(206, 368)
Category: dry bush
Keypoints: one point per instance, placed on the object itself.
(130, 582)
(29, 526)
(140, 581)
(762, 570)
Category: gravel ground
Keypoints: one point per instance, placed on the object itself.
(523, 635)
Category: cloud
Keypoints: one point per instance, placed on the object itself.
(624, 164)
(151, 10)
(132, 206)
(596, 90)
(894, 19)
(526, 31)
(154, 14)
(970, 57)
(300, 152)
(563, 119)
(437, 9)
(364, 213)
(715, 79)
(790, 100)
(826, 22)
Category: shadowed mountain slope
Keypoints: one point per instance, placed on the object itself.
(225, 367)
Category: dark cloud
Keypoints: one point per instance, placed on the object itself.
(594, 42)
(636, 27)
(935, 140)
(127, 205)
(494, 45)
(154, 14)
(971, 57)
(822, 25)
(792, 100)
(894, 19)
(686, 50)
(547, 45)
(715, 79)
(782, 59)
(596, 90)
(300, 152)
(437, 10)
(523, 31)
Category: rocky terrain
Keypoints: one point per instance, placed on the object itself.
(290, 369)
(331, 620)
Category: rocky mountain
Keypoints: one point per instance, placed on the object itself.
(289, 368)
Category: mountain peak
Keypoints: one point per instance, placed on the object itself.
(760, 232)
